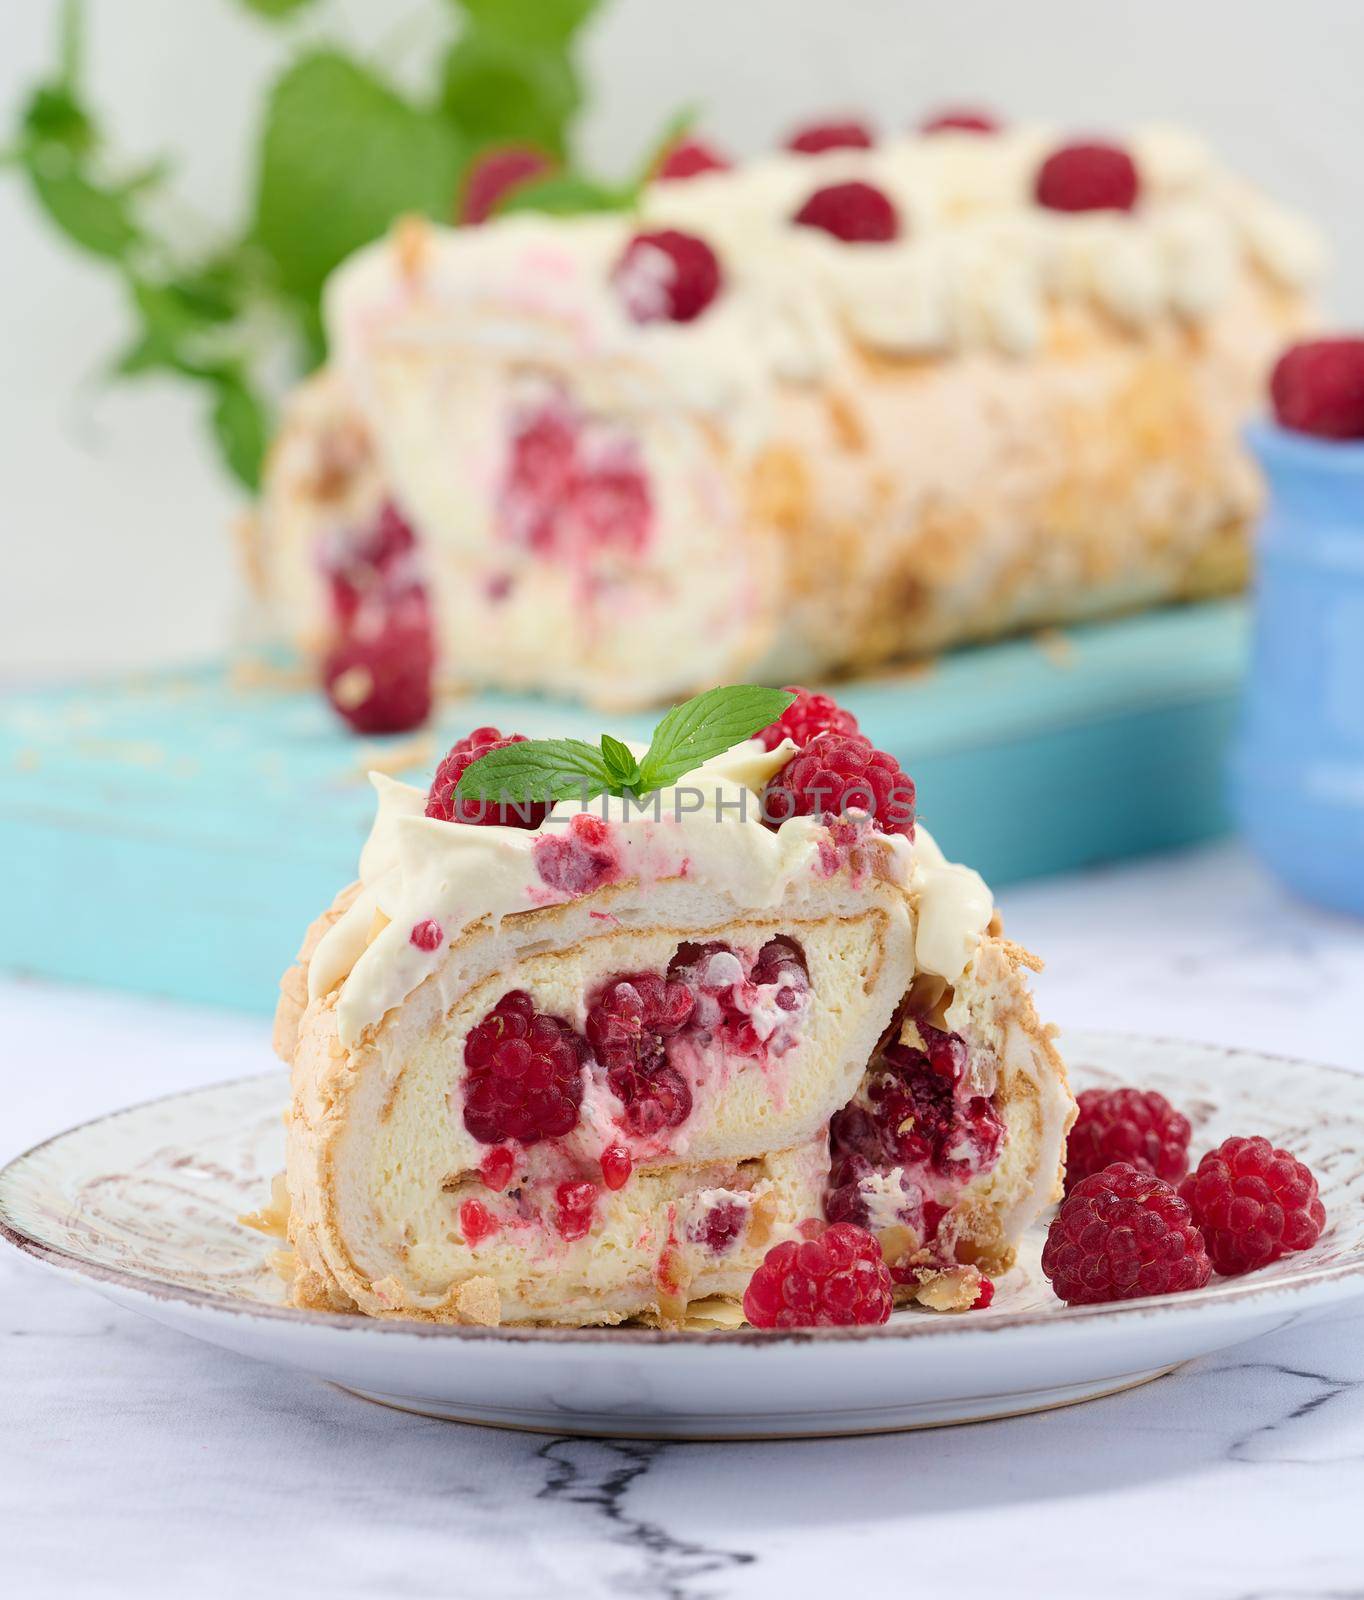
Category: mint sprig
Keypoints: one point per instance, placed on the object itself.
(688, 736)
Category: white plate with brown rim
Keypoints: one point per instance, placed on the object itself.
(141, 1206)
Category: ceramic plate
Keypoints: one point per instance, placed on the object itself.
(142, 1207)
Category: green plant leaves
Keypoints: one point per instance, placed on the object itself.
(561, 769)
(275, 10)
(240, 425)
(342, 156)
(545, 24)
(536, 769)
(496, 91)
(706, 726)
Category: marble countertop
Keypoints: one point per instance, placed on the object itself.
(137, 1462)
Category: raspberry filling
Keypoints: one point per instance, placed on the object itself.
(378, 669)
(914, 1135)
(523, 1074)
(572, 488)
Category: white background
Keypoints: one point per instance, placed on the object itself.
(115, 515)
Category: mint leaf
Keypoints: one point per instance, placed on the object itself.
(343, 155)
(497, 91)
(536, 769)
(707, 726)
(542, 23)
(620, 763)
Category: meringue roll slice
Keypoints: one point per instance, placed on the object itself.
(593, 1066)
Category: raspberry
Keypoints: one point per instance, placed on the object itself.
(985, 1294)
(667, 276)
(497, 1167)
(836, 772)
(721, 1226)
(689, 158)
(915, 1116)
(1120, 1234)
(523, 1074)
(616, 1166)
(1318, 388)
(611, 507)
(581, 861)
(808, 714)
(496, 174)
(376, 562)
(574, 1204)
(427, 935)
(476, 1222)
(855, 212)
(818, 137)
(1137, 1126)
(628, 1028)
(781, 961)
(540, 470)
(833, 1279)
(1088, 177)
(379, 681)
(443, 804)
(958, 119)
(1254, 1204)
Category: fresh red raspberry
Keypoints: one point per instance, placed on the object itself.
(496, 174)
(959, 119)
(855, 212)
(374, 562)
(808, 714)
(689, 158)
(616, 1166)
(817, 137)
(721, 1226)
(985, 1295)
(476, 1222)
(628, 1028)
(574, 1204)
(835, 1278)
(427, 935)
(1121, 1234)
(836, 772)
(580, 860)
(1318, 387)
(497, 1167)
(667, 276)
(1137, 1126)
(1088, 177)
(443, 804)
(523, 1074)
(379, 679)
(1254, 1204)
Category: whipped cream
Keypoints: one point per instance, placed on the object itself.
(707, 828)
(978, 264)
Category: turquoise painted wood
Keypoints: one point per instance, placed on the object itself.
(175, 836)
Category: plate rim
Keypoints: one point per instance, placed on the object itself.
(1228, 1292)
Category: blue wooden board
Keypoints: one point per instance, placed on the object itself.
(175, 835)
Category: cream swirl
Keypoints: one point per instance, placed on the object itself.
(978, 264)
(707, 828)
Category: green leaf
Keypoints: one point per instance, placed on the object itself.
(543, 23)
(620, 763)
(536, 769)
(54, 116)
(342, 156)
(275, 10)
(565, 195)
(241, 428)
(707, 726)
(98, 220)
(498, 92)
(674, 130)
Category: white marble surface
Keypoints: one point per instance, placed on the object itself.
(133, 1461)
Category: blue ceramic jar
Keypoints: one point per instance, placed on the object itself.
(1298, 769)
